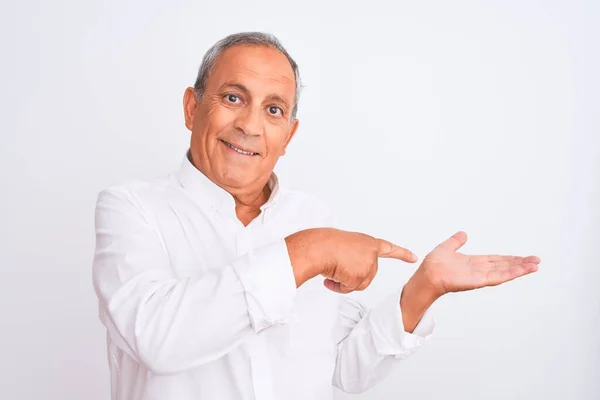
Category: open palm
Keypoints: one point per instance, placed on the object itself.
(450, 271)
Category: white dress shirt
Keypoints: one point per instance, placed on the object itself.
(199, 307)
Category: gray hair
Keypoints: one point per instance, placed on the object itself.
(247, 38)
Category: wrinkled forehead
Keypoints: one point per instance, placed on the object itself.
(263, 70)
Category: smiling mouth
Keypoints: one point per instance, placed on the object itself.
(238, 150)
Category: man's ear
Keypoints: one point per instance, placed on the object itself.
(293, 129)
(190, 102)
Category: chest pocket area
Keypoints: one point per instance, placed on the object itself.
(193, 245)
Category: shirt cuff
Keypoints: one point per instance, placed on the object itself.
(387, 328)
(267, 276)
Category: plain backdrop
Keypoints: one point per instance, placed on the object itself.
(417, 119)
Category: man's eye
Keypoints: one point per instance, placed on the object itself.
(232, 98)
(274, 110)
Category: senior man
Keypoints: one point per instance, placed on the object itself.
(217, 282)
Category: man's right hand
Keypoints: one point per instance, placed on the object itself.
(347, 259)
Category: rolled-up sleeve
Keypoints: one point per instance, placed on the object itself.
(374, 341)
(387, 329)
(269, 285)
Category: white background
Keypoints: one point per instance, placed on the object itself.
(418, 119)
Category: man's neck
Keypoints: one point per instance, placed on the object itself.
(247, 207)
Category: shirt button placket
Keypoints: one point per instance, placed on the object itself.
(260, 363)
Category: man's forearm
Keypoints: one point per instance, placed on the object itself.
(416, 298)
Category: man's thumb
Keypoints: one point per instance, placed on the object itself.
(455, 242)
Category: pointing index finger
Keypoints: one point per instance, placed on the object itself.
(390, 250)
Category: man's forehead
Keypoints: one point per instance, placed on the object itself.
(268, 67)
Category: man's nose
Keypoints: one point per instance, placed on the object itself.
(250, 121)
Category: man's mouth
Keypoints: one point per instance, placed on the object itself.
(237, 149)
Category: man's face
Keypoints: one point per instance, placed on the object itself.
(242, 124)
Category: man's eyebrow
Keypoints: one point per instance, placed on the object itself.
(277, 98)
(236, 85)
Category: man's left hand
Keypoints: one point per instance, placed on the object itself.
(445, 270)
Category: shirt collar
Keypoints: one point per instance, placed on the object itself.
(211, 195)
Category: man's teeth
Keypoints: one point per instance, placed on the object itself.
(248, 153)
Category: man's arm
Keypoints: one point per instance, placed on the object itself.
(170, 324)
(388, 332)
